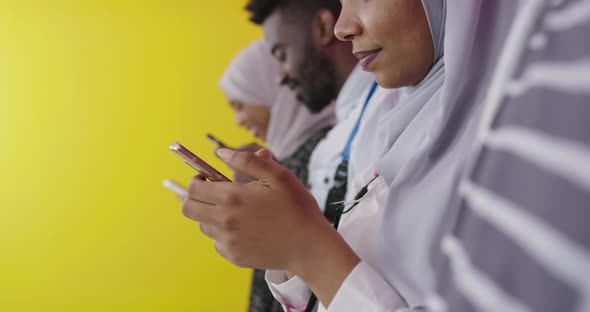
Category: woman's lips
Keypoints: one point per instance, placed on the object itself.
(367, 57)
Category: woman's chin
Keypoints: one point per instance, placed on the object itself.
(387, 81)
(390, 80)
(261, 137)
(255, 133)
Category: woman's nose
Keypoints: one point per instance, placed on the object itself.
(347, 27)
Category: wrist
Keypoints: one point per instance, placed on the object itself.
(325, 263)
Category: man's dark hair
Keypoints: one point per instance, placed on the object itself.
(260, 10)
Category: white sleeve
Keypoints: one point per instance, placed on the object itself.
(365, 290)
(293, 294)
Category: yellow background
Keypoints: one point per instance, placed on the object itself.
(91, 95)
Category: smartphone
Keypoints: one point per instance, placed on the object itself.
(216, 141)
(198, 164)
(180, 191)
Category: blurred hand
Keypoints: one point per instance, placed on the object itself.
(262, 224)
(272, 223)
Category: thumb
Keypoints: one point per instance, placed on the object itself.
(259, 166)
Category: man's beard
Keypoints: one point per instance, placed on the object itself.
(317, 81)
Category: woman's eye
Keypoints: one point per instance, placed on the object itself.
(237, 106)
(280, 55)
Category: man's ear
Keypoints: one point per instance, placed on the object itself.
(323, 28)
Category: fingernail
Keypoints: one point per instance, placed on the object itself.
(264, 154)
(224, 153)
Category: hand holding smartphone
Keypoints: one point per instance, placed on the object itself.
(198, 164)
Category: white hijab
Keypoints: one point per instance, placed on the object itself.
(429, 133)
(252, 78)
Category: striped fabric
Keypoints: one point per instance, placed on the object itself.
(521, 238)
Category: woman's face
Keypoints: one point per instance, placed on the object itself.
(391, 39)
(254, 118)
